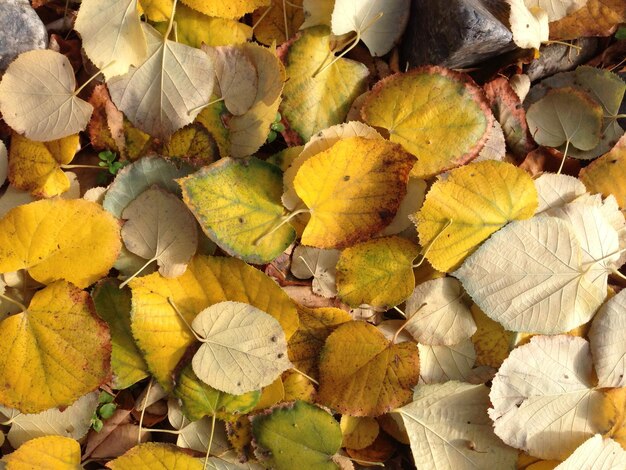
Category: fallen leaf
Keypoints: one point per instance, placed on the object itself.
(341, 188)
(441, 363)
(363, 374)
(152, 455)
(449, 428)
(528, 25)
(233, 9)
(358, 432)
(58, 343)
(556, 10)
(280, 24)
(184, 78)
(193, 144)
(542, 396)
(4, 163)
(237, 78)
(554, 191)
(111, 34)
(158, 227)
(595, 18)
(377, 272)
(75, 240)
(317, 12)
(606, 175)
(450, 111)
(37, 97)
(463, 210)
(492, 342)
(299, 434)
(307, 262)
(237, 212)
(43, 453)
(36, 166)
(243, 348)
(595, 453)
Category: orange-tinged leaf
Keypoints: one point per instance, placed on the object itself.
(596, 18)
(307, 342)
(280, 24)
(607, 174)
(363, 374)
(158, 329)
(353, 190)
(438, 115)
(54, 352)
(155, 455)
(75, 240)
(36, 166)
(45, 453)
(491, 341)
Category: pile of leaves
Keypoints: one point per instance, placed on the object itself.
(295, 259)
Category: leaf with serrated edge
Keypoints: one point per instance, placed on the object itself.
(543, 396)
(474, 201)
(159, 227)
(45, 453)
(437, 313)
(184, 79)
(59, 343)
(243, 348)
(555, 190)
(608, 342)
(529, 277)
(37, 97)
(112, 35)
(596, 453)
(449, 429)
(158, 329)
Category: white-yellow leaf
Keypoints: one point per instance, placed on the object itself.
(543, 396)
(307, 261)
(37, 97)
(443, 363)
(243, 348)
(112, 35)
(596, 453)
(555, 190)
(168, 90)
(528, 25)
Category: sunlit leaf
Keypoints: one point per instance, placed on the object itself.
(341, 187)
(37, 97)
(237, 204)
(556, 10)
(45, 453)
(377, 272)
(357, 360)
(492, 342)
(75, 240)
(528, 25)
(315, 99)
(542, 396)
(557, 190)
(36, 166)
(158, 329)
(113, 306)
(155, 455)
(298, 435)
(441, 363)
(243, 348)
(236, 77)
(59, 344)
(358, 432)
(595, 453)
(167, 91)
(607, 174)
(111, 35)
(231, 9)
(193, 144)
(438, 115)
(449, 428)
(463, 210)
(320, 264)
(595, 18)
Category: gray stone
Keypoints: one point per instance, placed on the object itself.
(21, 30)
(555, 58)
(454, 33)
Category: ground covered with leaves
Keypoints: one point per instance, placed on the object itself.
(245, 235)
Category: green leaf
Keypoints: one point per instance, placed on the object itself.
(107, 410)
(297, 436)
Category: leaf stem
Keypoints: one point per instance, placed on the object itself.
(15, 302)
(305, 375)
(202, 106)
(307, 266)
(399, 311)
(93, 167)
(563, 43)
(123, 284)
(615, 272)
(285, 20)
(90, 79)
(171, 302)
(283, 220)
(208, 450)
(171, 22)
(143, 411)
(262, 17)
(564, 157)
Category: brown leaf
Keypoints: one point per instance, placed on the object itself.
(596, 18)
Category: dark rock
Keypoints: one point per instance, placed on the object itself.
(455, 33)
(555, 58)
(22, 30)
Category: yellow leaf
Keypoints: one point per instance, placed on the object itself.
(438, 115)
(36, 166)
(316, 99)
(211, 118)
(607, 174)
(59, 344)
(492, 342)
(155, 455)
(45, 453)
(157, 10)
(595, 18)
(527, 462)
(377, 272)
(231, 9)
(195, 28)
(75, 240)
(342, 187)
(271, 395)
(237, 203)
(611, 415)
(297, 387)
(158, 329)
(280, 24)
(193, 144)
(358, 432)
(363, 374)
(307, 342)
(475, 201)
